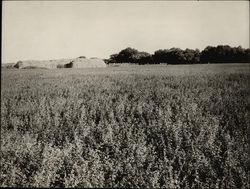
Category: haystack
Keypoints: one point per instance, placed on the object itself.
(7, 65)
(49, 64)
(86, 63)
(61, 63)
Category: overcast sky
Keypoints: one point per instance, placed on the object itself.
(50, 30)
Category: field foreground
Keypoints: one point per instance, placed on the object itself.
(184, 126)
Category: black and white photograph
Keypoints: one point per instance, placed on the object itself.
(125, 94)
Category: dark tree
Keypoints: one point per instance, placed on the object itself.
(192, 56)
(219, 54)
(224, 54)
(113, 58)
(160, 56)
(127, 55)
(130, 55)
(143, 58)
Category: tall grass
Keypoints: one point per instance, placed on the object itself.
(125, 129)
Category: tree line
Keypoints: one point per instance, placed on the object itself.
(219, 54)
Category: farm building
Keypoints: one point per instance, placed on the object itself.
(61, 63)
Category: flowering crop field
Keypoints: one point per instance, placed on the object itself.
(172, 126)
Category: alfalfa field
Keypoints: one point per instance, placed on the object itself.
(160, 126)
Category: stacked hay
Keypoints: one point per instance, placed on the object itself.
(86, 63)
(61, 63)
(7, 65)
(49, 64)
